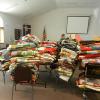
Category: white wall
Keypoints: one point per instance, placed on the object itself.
(94, 30)
(55, 22)
(97, 21)
(10, 23)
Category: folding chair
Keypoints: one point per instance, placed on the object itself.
(3, 72)
(90, 74)
(22, 75)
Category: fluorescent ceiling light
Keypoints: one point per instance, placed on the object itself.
(7, 7)
(3, 7)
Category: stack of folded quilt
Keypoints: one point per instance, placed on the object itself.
(89, 53)
(68, 54)
(29, 50)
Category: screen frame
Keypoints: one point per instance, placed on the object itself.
(87, 26)
(90, 68)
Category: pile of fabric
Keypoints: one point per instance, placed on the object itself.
(1, 55)
(29, 50)
(4, 54)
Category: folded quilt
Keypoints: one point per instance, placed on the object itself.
(64, 71)
(68, 53)
(30, 38)
(14, 47)
(48, 44)
(82, 56)
(46, 50)
(23, 53)
(1, 58)
(65, 78)
(36, 58)
(93, 60)
(93, 84)
(89, 47)
(91, 52)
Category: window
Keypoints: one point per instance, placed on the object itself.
(1, 31)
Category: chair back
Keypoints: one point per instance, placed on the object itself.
(22, 74)
(92, 70)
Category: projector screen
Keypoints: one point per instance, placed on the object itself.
(77, 24)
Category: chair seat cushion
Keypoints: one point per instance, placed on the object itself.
(34, 77)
